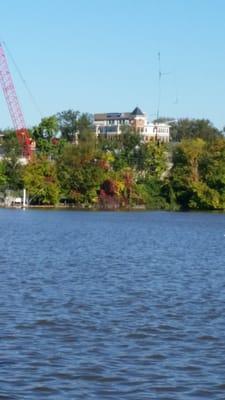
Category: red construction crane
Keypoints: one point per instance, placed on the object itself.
(15, 111)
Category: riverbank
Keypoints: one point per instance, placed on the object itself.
(118, 209)
(75, 208)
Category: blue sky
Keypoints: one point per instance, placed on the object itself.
(101, 56)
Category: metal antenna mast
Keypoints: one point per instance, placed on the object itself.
(159, 86)
(160, 74)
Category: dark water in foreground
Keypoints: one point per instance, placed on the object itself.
(112, 305)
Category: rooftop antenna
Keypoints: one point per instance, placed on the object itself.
(160, 74)
(176, 101)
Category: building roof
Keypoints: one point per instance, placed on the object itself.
(112, 116)
(137, 111)
(118, 116)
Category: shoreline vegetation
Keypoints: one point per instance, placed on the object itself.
(71, 169)
(108, 210)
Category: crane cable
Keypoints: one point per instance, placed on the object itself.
(35, 104)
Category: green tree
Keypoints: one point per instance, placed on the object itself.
(47, 128)
(212, 168)
(11, 163)
(40, 180)
(194, 128)
(85, 123)
(153, 159)
(47, 137)
(151, 191)
(126, 150)
(10, 144)
(189, 176)
(68, 124)
(80, 173)
(3, 178)
(187, 155)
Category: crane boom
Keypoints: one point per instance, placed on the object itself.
(14, 105)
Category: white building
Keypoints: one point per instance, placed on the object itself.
(111, 125)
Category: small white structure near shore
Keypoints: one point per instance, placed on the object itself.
(11, 201)
(14, 199)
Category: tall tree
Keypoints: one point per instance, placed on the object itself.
(85, 122)
(68, 124)
(189, 176)
(40, 180)
(80, 173)
(194, 128)
(11, 162)
(3, 178)
(47, 128)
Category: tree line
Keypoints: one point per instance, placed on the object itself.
(73, 167)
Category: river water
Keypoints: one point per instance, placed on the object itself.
(112, 305)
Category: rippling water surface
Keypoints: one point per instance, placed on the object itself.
(112, 305)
